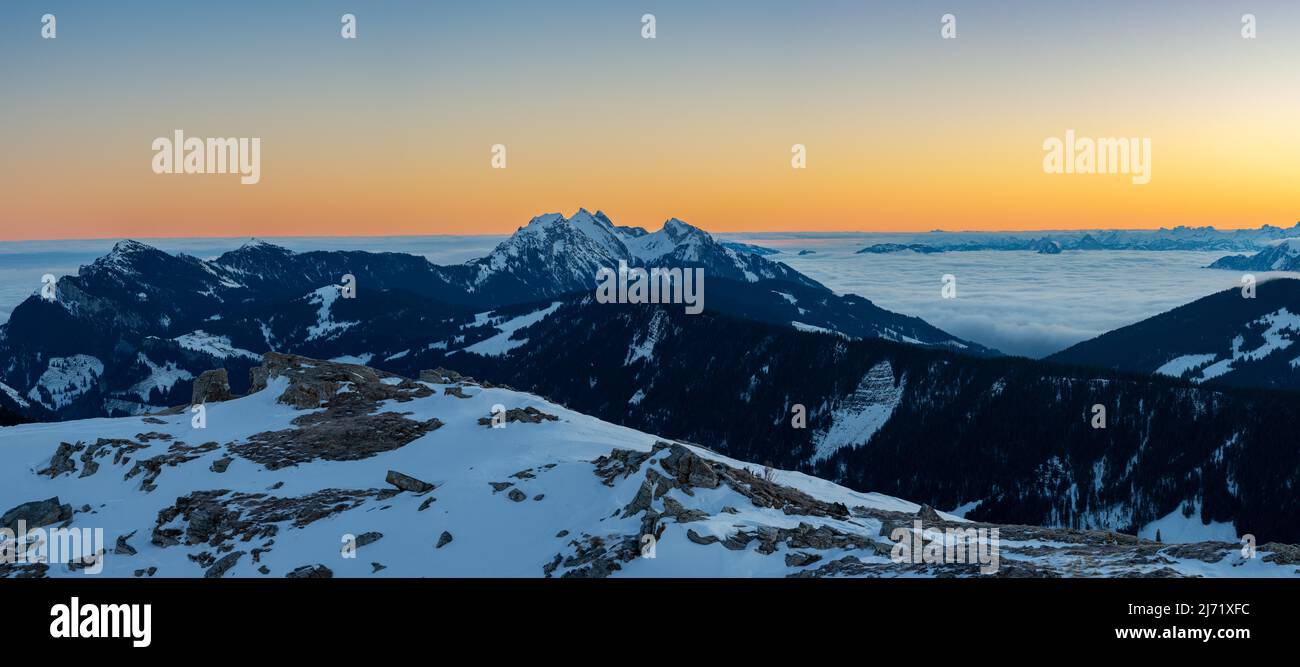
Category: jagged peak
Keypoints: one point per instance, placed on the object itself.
(130, 247)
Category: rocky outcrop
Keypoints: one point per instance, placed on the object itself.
(211, 387)
(407, 483)
(316, 571)
(37, 513)
(528, 415)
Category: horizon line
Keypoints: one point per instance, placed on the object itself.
(732, 233)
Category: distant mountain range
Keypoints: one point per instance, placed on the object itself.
(1178, 238)
(893, 404)
(161, 319)
(1280, 256)
(1222, 339)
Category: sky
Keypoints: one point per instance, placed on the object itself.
(392, 133)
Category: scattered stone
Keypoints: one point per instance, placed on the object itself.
(147, 572)
(221, 464)
(539, 496)
(377, 567)
(264, 569)
(528, 415)
(500, 486)
(700, 539)
(368, 538)
(927, 515)
(122, 548)
(36, 513)
(675, 510)
(516, 495)
(427, 502)
(440, 376)
(316, 571)
(455, 391)
(219, 568)
(153, 420)
(800, 559)
(407, 483)
(562, 533)
(443, 539)
(61, 462)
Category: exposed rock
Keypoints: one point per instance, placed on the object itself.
(539, 496)
(681, 514)
(36, 513)
(444, 539)
(219, 568)
(622, 462)
(440, 376)
(221, 464)
(122, 548)
(146, 572)
(700, 539)
(177, 453)
(528, 415)
(689, 469)
(61, 462)
(368, 538)
(1282, 554)
(375, 567)
(500, 486)
(218, 517)
(425, 505)
(211, 386)
(455, 391)
(517, 495)
(927, 515)
(316, 571)
(333, 435)
(407, 483)
(800, 559)
(640, 502)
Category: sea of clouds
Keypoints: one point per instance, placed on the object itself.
(1018, 302)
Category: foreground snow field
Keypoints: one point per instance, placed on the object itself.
(326, 469)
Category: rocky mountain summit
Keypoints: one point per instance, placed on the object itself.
(336, 469)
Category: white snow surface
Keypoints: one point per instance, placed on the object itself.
(861, 414)
(217, 346)
(66, 378)
(501, 343)
(492, 535)
(1175, 528)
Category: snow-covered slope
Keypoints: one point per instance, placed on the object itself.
(1283, 255)
(1226, 338)
(339, 468)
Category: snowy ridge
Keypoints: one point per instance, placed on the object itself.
(278, 484)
